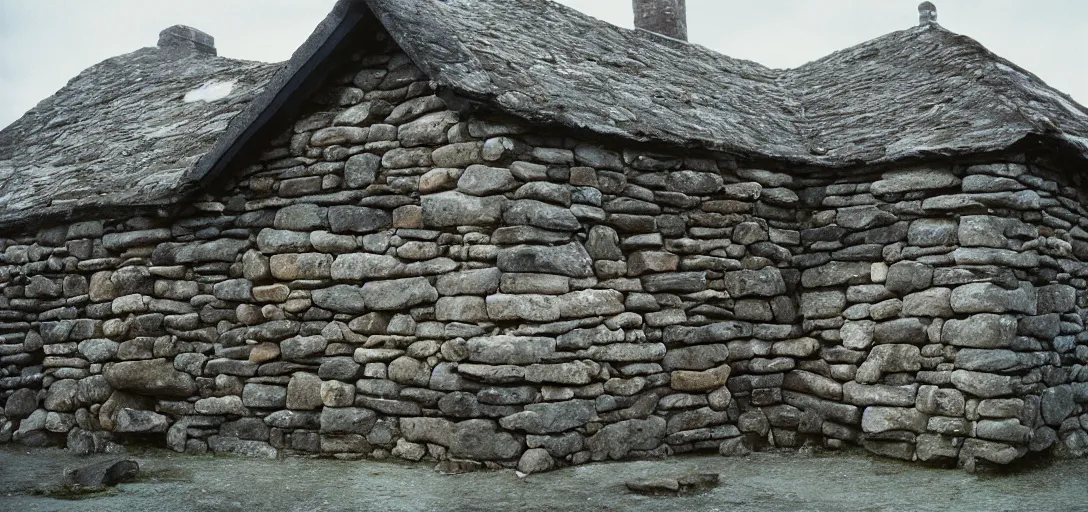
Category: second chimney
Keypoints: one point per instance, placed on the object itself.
(665, 17)
(182, 40)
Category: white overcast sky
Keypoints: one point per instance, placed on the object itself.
(44, 43)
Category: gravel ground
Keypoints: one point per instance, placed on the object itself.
(762, 482)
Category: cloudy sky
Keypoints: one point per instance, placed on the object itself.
(46, 42)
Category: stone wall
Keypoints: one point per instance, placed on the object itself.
(950, 301)
(392, 279)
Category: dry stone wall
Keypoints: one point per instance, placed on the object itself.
(955, 300)
(392, 279)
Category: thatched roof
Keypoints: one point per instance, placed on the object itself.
(121, 135)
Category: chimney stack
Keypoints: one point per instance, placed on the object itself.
(927, 14)
(183, 40)
(664, 17)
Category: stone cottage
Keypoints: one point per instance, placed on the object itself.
(500, 233)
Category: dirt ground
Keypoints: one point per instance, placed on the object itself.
(837, 482)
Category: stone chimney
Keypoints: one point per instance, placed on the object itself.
(183, 40)
(664, 17)
(927, 14)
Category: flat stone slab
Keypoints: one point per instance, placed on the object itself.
(102, 474)
(674, 485)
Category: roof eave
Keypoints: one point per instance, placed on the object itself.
(299, 78)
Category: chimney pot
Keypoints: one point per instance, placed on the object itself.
(664, 17)
(927, 14)
(183, 40)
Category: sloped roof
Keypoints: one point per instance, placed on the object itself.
(922, 92)
(121, 134)
(548, 63)
(917, 92)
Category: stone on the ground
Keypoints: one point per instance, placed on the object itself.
(103, 474)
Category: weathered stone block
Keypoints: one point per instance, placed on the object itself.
(987, 331)
(546, 284)
(568, 374)
(836, 273)
(347, 420)
(677, 282)
(879, 394)
(829, 304)
(341, 299)
(1008, 430)
(140, 422)
(585, 303)
(536, 308)
(427, 430)
(551, 418)
(766, 282)
(627, 352)
(905, 330)
(304, 392)
(889, 359)
(358, 219)
(700, 357)
(692, 182)
(991, 298)
(510, 349)
(482, 440)
(883, 419)
(568, 260)
(409, 371)
(908, 276)
(339, 136)
(452, 208)
(301, 266)
(129, 239)
(428, 130)
(302, 347)
(712, 333)
(934, 302)
(864, 217)
(301, 217)
(858, 335)
(1045, 327)
(469, 282)
(986, 360)
(910, 180)
(264, 396)
(645, 262)
(985, 385)
(696, 381)
(156, 377)
(361, 170)
(813, 384)
(933, 232)
(1057, 404)
(225, 405)
(932, 447)
(617, 440)
(398, 293)
(481, 180)
(542, 215)
(1056, 298)
(461, 309)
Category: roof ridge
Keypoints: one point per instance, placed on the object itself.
(919, 93)
(995, 63)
